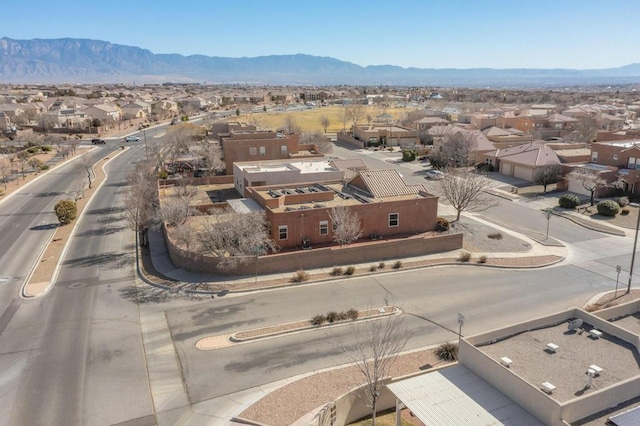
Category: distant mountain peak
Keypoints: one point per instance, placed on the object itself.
(71, 60)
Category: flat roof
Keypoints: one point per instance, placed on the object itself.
(457, 396)
(566, 368)
(309, 166)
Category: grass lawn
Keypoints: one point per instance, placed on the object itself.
(388, 418)
(309, 120)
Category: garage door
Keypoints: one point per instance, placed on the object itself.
(505, 169)
(523, 173)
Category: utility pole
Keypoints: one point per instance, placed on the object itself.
(633, 255)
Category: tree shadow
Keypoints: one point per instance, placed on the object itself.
(44, 227)
(108, 260)
(48, 194)
(101, 232)
(106, 211)
(110, 219)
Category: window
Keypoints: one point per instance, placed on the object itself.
(253, 151)
(283, 150)
(324, 227)
(394, 219)
(263, 151)
(615, 156)
(594, 157)
(283, 232)
(631, 164)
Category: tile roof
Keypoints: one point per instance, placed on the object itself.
(529, 154)
(385, 183)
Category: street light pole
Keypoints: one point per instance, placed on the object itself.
(618, 269)
(633, 255)
(144, 133)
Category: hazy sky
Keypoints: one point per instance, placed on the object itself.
(420, 33)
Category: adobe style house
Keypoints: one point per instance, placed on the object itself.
(622, 155)
(262, 146)
(384, 203)
(385, 134)
(287, 172)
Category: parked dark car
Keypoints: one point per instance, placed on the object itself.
(97, 141)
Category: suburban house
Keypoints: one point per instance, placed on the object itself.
(388, 135)
(567, 368)
(66, 118)
(622, 155)
(385, 204)
(504, 138)
(104, 112)
(261, 146)
(287, 172)
(428, 122)
(136, 109)
(522, 161)
(478, 143)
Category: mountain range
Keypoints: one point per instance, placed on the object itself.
(83, 61)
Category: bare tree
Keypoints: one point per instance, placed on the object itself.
(456, 149)
(176, 208)
(5, 171)
(211, 156)
(585, 130)
(185, 235)
(85, 165)
(325, 122)
(466, 190)
(547, 175)
(235, 238)
(73, 145)
(346, 225)
(289, 125)
(355, 112)
(78, 191)
(22, 160)
(322, 143)
(373, 350)
(140, 202)
(589, 179)
(344, 117)
(180, 140)
(35, 164)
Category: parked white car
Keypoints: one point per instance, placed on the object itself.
(434, 174)
(132, 139)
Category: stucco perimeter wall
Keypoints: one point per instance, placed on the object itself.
(348, 140)
(321, 257)
(211, 180)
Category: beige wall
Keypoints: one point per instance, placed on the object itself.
(373, 251)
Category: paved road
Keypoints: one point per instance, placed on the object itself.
(75, 356)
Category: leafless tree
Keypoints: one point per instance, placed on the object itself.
(78, 191)
(85, 165)
(373, 349)
(346, 225)
(35, 164)
(547, 175)
(140, 202)
(355, 112)
(180, 140)
(211, 154)
(589, 179)
(235, 238)
(456, 149)
(176, 208)
(325, 122)
(585, 130)
(344, 117)
(5, 171)
(465, 190)
(289, 125)
(22, 160)
(185, 235)
(73, 145)
(322, 143)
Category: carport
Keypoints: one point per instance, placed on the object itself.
(457, 396)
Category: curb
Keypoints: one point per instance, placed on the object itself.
(56, 271)
(584, 223)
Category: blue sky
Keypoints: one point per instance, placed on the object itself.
(422, 33)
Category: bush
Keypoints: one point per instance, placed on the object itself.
(381, 265)
(408, 155)
(300, 276)
(333, 316)
(350, 270)
(318, 319)
(465, 256)
(622, 201)
(32, 150)
(46, 148)
(397, 265)
(625, 211)
(352, 314)
(482, 259)
(495, 235)
(484, 167)
(569, 201)
(447, 351)
(608, 208)
(373, 268)
(442, 224)
(342, 316)
(66, 211)
(336, 271)
(44, 167)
